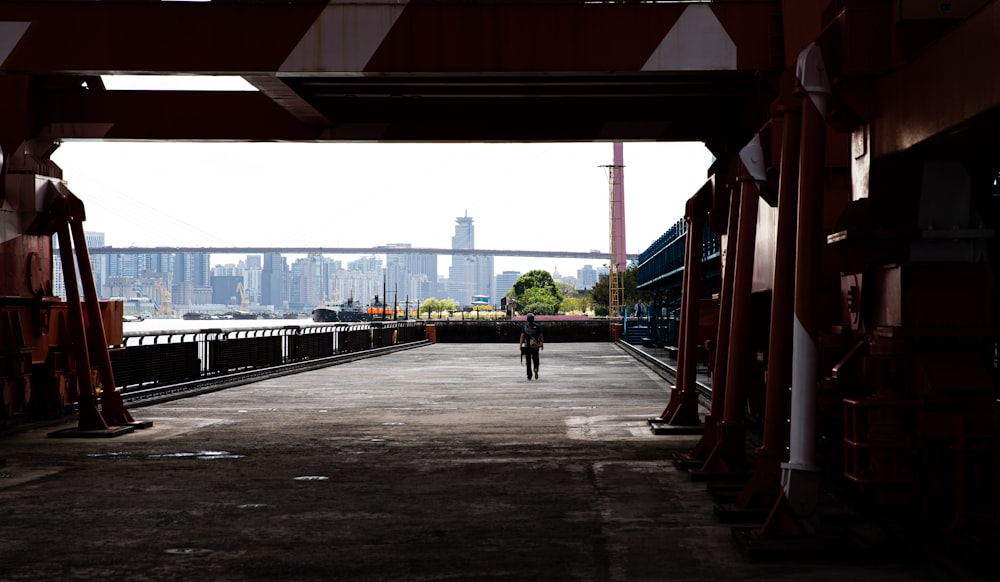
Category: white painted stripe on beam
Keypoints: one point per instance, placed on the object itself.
(10, 35)
(752, 156)
(697, 42)
(343, 38)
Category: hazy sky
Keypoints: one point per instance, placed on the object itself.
(521, 196)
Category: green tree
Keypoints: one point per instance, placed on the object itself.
(429, 305)
(567, 290)
(574, 305)
(600, 295)
(536, 292)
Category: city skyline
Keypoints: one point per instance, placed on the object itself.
(154, 282)
(364, 195)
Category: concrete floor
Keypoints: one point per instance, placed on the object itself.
(435, 463)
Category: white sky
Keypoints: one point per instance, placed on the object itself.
(545, 196)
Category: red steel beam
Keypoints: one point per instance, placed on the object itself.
(949, 85)
(425, 35)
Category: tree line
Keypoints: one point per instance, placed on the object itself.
(537, 292)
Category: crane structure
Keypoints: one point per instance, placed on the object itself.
(617, 260)
(244, 297)
(164, 308)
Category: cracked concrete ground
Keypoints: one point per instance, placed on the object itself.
(435, 463)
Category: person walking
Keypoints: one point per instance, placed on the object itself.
(640, 311)
(532, 342)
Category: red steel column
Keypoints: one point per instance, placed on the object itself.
(729, 454)
(765, 485)
(90, 416)
(721, 355)
(686, 413)
(795, 510)
(112, 407)
(682, 340)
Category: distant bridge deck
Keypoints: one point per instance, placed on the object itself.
(379, 250)
(439, 462)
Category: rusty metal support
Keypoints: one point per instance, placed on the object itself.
(714, 417)
(764, 486)
(686, 413)
(90, 416)
(729, 453)
(112, 407)
(679, 411)
(800, 477)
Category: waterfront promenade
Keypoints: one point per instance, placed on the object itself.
(435, 463)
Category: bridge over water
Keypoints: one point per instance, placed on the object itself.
(357, 251)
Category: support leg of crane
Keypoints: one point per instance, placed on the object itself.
(785, 536)
(728, 459)
(676, 418)
(758, 495)
(112, 408)
(91, 422)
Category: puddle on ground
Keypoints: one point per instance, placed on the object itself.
(310, 478)
(108, 454)
(254, 506)
(202, 455)
(187, 551)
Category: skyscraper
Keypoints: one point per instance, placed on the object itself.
(469, 274)
(97, 265)
(271, 280)
(412, 275)
(586, 277)
(505, 282)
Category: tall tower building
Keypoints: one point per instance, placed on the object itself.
(97, 265)
(586, 277)
(272, 277)
(469, 274)
(411, 275)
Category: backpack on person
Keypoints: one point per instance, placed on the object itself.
(532, 335)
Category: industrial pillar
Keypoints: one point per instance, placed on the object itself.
(721, 355)
(764, 486)
(90, 415)
(686, 413)
(112, 408)
(682, 409)
(729, 453)
(795, 510)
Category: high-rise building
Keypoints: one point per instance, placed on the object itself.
(273, 280)
(469, 274)
(192, 278)
(97, 266)
(505, 282)
(308, 287)
(410, 274)
(366, 264)
(586, 277)
(194, 268)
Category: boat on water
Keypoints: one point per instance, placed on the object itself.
(352, 310)
(327, 312)
(348, 311)
(241, 314)
(196, 316)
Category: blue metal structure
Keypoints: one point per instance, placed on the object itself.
(661, 272)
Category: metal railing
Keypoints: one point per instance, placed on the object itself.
(149, 359)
